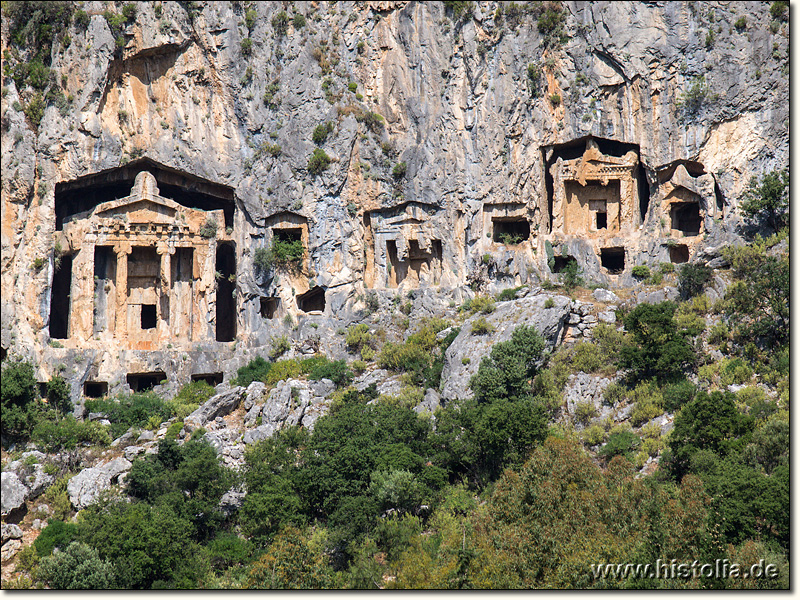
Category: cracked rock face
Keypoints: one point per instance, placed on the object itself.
(451, 162)
(87, 486)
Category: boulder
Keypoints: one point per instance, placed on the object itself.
(231, 501)
(254, 394)
(14, 492)
(85, 488)
(430, 403)
(10, 549)
(11, 532)
(218, 405)
(261, 432)
(602, 295)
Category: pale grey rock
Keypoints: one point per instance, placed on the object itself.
(607, 296)
(11, 532)
(507, 316)
(667, 293)
(430, 402)
(14, 492)
(369, 377)
(589, 319)
(261, 432)
(146, 436)
(391, 386)
(231, 501)
(322, 388)
(85, 488)
(131, 452)
(251, 418)
(10, 549)
(607, 316)
(254, 394)
(218, 405)
(574, 318)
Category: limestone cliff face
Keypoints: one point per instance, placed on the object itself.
(481, 117)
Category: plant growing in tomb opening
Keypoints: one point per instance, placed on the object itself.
(209, 228)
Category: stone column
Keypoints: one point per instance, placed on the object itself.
(165, 287)
(121, 312)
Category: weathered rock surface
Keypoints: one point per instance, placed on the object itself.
(87, 486)
(216, 406)
(458, 111)
(11, 532)
(507, 316)
(14, 492)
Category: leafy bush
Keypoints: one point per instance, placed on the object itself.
(78, 567)
(571, 276)
(132, 410)
(373, 121)
(357, 337)
(550, 23)
(20, 407)
(741, 23)
(279, 346)
(621, 443)
(299, 20)
(321, 133)
(508, 294)
(282, 370)
(692, 279)
(641, 271)
(555, 99)
(483, 304)
(658, 349)
(399, 170)
(57, 534)
(256, 370)
(767, 199)
(481, 326)
(535, 80)
(209, 228)
(695, 98)
(549, 303)
(280, 23)
(337, 371)
(318, 161)
(507, 371)
(67, 433)
(247, 46)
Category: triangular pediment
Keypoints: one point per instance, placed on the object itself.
(150, 209)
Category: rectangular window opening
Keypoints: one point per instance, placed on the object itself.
(679, 253)
(270, 307)
(212, 379)
(685, 217)
(148, 316)
(142, 382)
(613, 259)
(601, 221)
(95, 389)
(60, 299)
(510, 231)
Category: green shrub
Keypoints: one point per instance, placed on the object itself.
(298, 20)
(550, 23)
(337, 371)
(279, 346)
(483, 304)
(593, 435)
(621, 443)
(549, 303)
(555, 99)
(318, 161)
(767, 199)
(321, 133)
(571, 276)
(67, 433)
(373, 121)
(280, 23)
(695, 98)
(534, 80)
(209, 228)
(658, 348)
(134, 410)
(256, 370)
(641, 271)
(692, 279)
(82, 18)
(778, 10)
(585, 412)
(676, 395)
(741, 23)
(481, 326)
(508, 294)
(399, 170)
(20, 408)
(174, 430)
(57, 534)
(78, 567)
(507, 371)
(352, 86)
(357, 337)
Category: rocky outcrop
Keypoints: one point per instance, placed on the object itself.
(464, 355)
(14, 492)
(445, 136)
(216, 406)
(88, 485)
